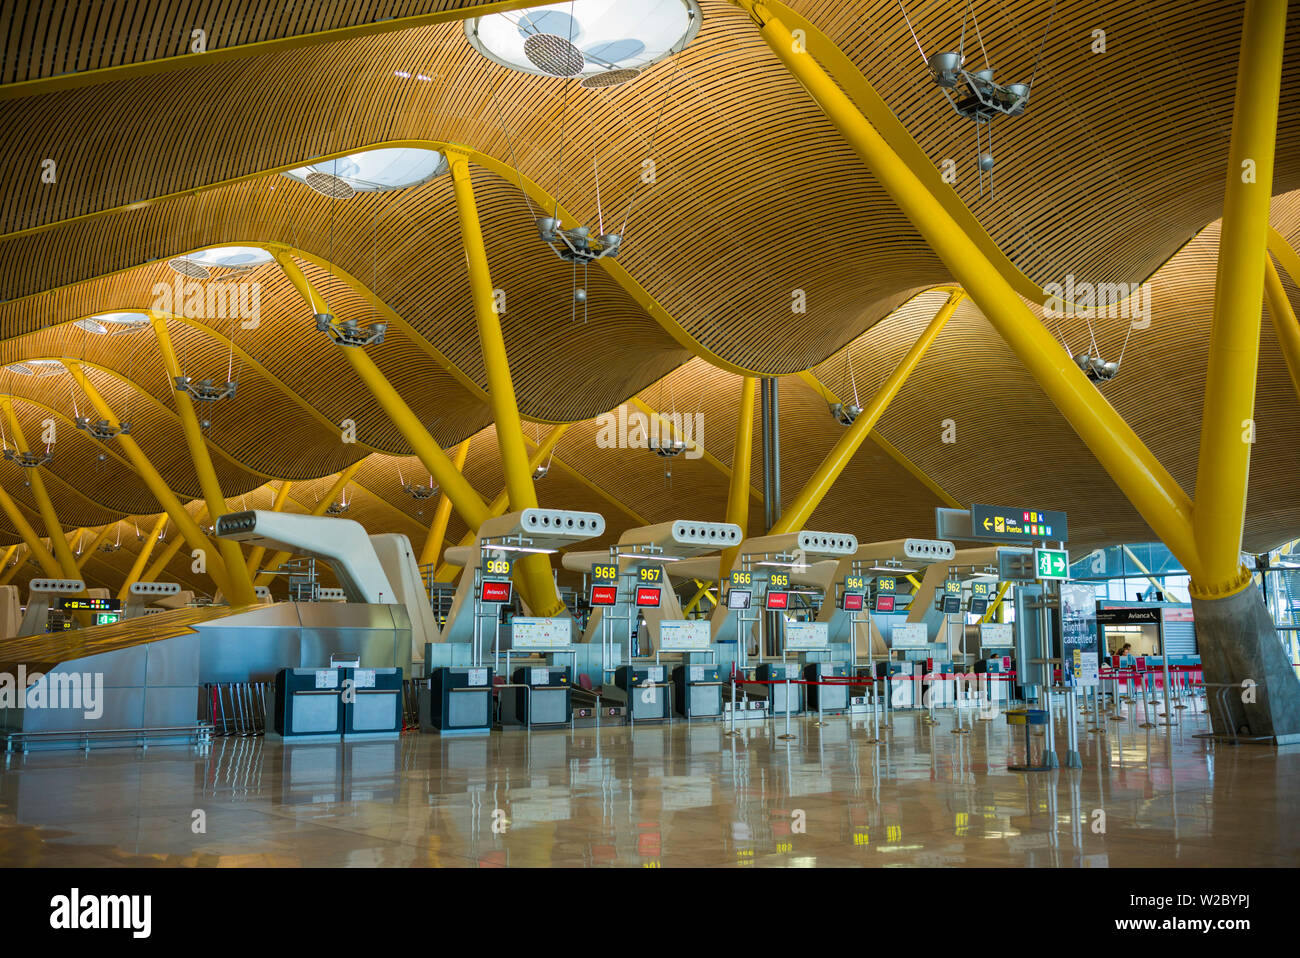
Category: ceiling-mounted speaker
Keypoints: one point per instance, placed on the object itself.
(554, 55)
(327, 184)
(609, 78)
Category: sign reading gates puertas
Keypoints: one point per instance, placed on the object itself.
(1005, 524)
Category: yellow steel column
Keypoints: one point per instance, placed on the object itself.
(441, 515)
(741, 454)
(280, 558)
(1284, 322)
(445, 572)
(146, 549)
(257, 553)
(95, 543)
(59, 545)
(241, 586)
(1227, 419)
(187, 527)
(464, 499)
(1146, 483)
(9, 573)
(49, 564)
(536, 581)
(165, 557)
(794, 517)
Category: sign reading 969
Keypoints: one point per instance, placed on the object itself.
(497, 565)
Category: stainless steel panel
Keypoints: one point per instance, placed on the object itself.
(173, 661)
(170, 706)
(123, 708)
(121, 668)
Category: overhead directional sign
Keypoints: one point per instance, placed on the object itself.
(1052, 563)
(1005, 524)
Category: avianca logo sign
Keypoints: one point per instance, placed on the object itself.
(76, 911)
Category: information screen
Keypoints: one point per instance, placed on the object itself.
(951, 604)
(495, 592)
(852, 602)
(738, 598)
(602, 595)
(778, 600)
(978, 606)
(884, 603)
(647, 597)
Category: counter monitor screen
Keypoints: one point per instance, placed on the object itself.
(951, 604)
(495, 592)
(852, 602)
(778, 600)
(738, 599)
(603, 595)
(647, 597)
(884, 603)
(979, 606)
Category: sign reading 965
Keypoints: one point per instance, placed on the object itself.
(778, 580)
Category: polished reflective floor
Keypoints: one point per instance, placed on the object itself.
(665, 796)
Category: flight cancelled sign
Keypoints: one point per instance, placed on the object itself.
(1004, 524)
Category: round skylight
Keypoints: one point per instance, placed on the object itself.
(586, 38)
(232, 257)
(103, 323)
(371, 171)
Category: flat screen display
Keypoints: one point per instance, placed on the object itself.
(738, 598)
(951, 604)
(647, 597)
(603, 595)
(979, 606)
(852, 602)
(884, 603)
(778, 600)
(495, 592)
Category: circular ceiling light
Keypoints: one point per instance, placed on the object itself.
(231, 257)
(103, 323)
(592, 38)
(371, 172)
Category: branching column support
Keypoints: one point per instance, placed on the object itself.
(810, 497)
(1279, 307)
(741, 456)
(1227, 421)
(280, 558)
(241, 586)
(1146, 483)
(536, 580)
(185, 525)
(142, 559)
(49, 564)
(44, 505)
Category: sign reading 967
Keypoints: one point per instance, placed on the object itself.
(651, 574)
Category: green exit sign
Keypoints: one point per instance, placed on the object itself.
(1052, 563)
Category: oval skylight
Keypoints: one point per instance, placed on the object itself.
(103, 323)
(586, 38)
(37, 367)
(371, 171)
(231, 257)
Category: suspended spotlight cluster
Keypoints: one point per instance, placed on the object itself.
(666, 449)
(337, 508)
(577, 245)
(975, 95)
(110, 547)
(845, 413)
(205, 390)
(420, 493)
(1095, 369)
(29, 460)
(540, 472)
(348, 333)
(102, 429)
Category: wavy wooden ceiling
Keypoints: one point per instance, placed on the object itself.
(1114, 171)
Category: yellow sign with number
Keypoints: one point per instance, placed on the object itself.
(779, 580)
(652, 574)
(604, 573)
(854, 583)
(742, 578)
(497, 567)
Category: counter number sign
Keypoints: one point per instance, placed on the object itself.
(778, 580)
(600, 572)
